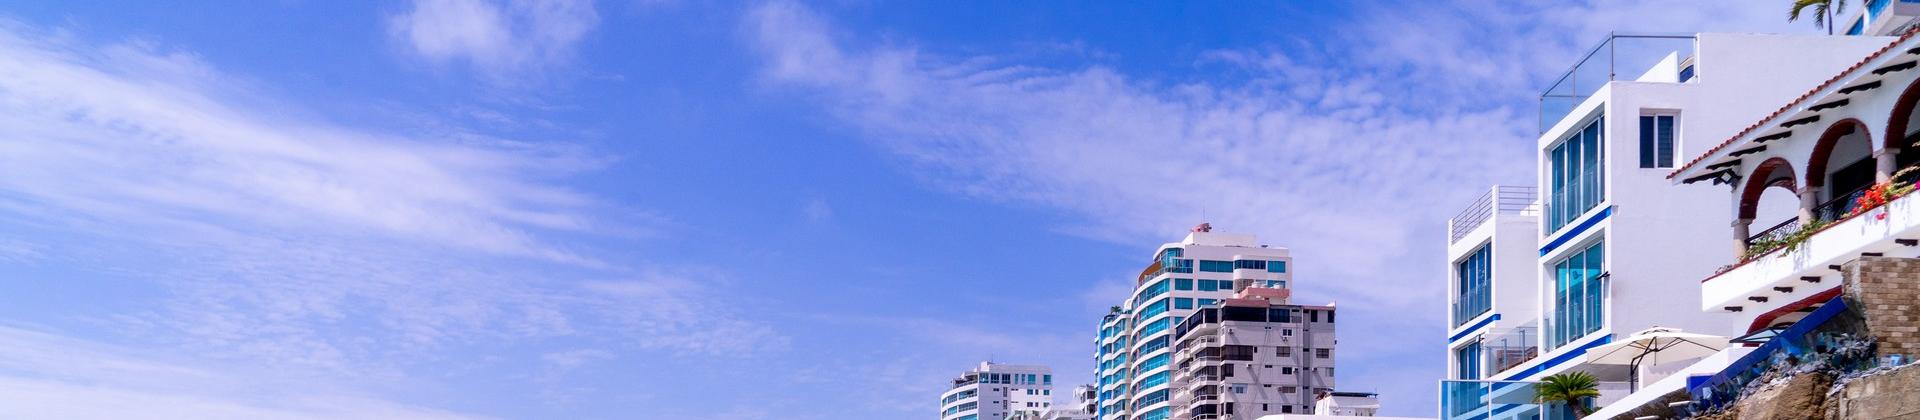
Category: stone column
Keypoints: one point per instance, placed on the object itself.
(1741, 227)
(1809, 198)
(1884, 290)
(1886, 162)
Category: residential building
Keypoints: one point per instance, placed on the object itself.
(998, 391)
(1796, 178)
(1081, 409)
(1251, 355)
(1342, 406)
(1133, 350)
(1353, 404)
(1617, 243)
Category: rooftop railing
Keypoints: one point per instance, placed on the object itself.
(1501, 199)
(1637, 54)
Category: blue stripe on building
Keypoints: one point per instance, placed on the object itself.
(1576, 231)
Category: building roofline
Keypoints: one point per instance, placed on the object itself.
(1796, 102)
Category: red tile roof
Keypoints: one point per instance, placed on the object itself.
(1796, 102)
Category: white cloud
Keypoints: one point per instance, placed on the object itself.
(278, 237)
(1351, 147)
(44, 375)
(505, 41)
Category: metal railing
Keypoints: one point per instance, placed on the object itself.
(1506, 348)
(1840, 205)
(1471, 304)
(1501, 199)
(1637, 53)
(1777, 232)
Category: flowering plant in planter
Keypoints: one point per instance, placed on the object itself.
(1883, 192)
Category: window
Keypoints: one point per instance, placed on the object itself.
(1239, 388)
(1153, 309)
(1322, 353)
(1473, 283)
(1575, 175)
(1250, 264)
(1156, 289)
(1656, 141)
(1276, 266)
(1578, 294)
(1182, 284)
(1467, 361)
(1207, 285)
(1284, 351)
(1182, 303)
(1216, 266)
(1286, 332)
(1207, 302)
(1180, 266)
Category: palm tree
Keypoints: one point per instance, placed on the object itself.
(1823, 11)
(1572, 388)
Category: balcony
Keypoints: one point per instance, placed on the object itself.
(1502, 199)
(1473, 400)
(1787, 275)
(1471, 304)
(1507, 348)
(1655, 58)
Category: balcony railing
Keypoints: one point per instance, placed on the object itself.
(1509, 347)
(1636, 54)
(1501, 199)
(1776, 233)
(1840, 205)
(1471, 303)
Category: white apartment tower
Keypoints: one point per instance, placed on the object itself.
(998, 391)
(1134, 349)
(1617, 248)
(1252, 355)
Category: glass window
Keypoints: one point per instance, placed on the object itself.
(1276, 266)
(1212, 266)
(1473, 286)
(1182, 303)
(1576, 175)
(1206, 302)
(1152, 309)
(1153, 290)
(1207, 285)
(1182, 284)
(1578, 294)
(1250, 264)
(1467, 362)
(1656, 141)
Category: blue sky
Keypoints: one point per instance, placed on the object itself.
(660, 209)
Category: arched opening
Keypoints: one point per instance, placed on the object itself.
(1779, 211)
(1841, 168)
(1903, 130)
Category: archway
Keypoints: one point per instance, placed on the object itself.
(1778, 213)
(1841, 168)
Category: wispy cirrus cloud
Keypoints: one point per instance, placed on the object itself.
(505, 41)
(276, 237)
(47, 375)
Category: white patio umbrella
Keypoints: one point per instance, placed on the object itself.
(1653, 345)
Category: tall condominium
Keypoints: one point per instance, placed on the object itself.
(998, 391)
(1252, 355)
(1134, 348)
(1604, 245)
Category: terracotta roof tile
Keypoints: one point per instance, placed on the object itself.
(1796, 102)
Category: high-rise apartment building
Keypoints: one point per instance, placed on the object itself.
(998, 391)
(1134, 349)
(1251, 355)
